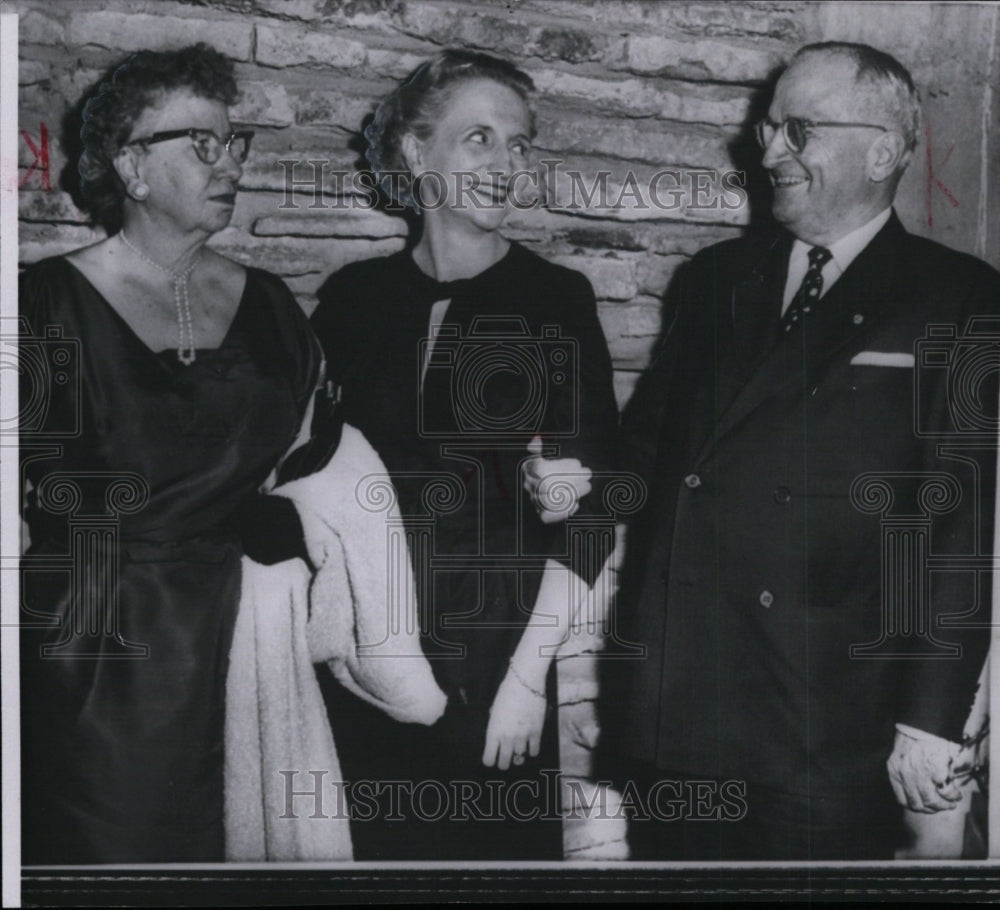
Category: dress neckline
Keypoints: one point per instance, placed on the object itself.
(127, 329)
(441, 290)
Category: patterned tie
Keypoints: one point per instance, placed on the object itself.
(808, 293)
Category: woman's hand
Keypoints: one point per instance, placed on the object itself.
(516, 719)
(555, 485)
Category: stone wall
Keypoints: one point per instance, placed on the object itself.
(627, 87)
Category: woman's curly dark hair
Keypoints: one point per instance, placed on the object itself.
(118, 102)
(417, 105)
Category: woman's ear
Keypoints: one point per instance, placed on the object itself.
(412, 153)
(126, 164)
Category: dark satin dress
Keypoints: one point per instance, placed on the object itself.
(521, 352)
(136, 466)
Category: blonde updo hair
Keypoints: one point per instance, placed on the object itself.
(417, 104)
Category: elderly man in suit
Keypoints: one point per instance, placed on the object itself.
(791, 651)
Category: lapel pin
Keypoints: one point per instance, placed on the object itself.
(857, 319)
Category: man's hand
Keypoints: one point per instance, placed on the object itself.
(555, 485)
(920, 773)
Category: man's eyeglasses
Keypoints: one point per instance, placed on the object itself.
(795, 130)
(207, 145)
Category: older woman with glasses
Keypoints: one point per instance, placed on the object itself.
(193, 376)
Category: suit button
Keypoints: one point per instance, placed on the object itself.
(766, 598)
(782, 495)
(692, 481)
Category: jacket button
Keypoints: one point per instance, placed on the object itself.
(692, 481)
(766, 598)
(782, 495)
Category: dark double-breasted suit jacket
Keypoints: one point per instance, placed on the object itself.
(756, 571)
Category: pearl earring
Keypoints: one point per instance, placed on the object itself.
(138, 190)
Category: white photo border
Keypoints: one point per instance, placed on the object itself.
(270, 884)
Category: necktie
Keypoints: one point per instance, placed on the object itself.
(809, 291)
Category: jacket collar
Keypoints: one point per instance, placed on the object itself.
(853, 305)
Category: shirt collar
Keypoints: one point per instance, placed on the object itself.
(424, 287)
(848, 248)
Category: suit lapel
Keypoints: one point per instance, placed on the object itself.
(743, 316)
(851, 307)
(755, 306)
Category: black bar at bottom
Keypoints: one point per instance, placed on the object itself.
(354, 884)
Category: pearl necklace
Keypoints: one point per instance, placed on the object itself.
(179, 281)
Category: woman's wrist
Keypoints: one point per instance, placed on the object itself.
(524, 682)
(271, 529)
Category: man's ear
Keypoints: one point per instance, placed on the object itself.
(412, 153)
(887, 156)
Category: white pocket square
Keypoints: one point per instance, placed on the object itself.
(882, 359)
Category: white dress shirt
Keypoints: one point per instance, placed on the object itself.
(844, 252)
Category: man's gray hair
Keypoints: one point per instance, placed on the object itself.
(894, 92)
